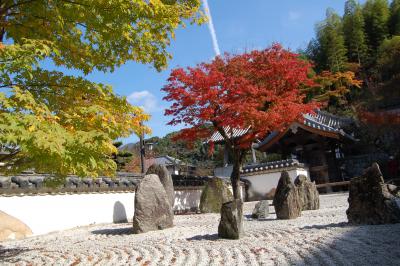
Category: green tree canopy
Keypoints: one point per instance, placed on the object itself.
(353, 29)
(331, 42)
(376, 15)
(65, 124)
(388, 61)
(394, 23)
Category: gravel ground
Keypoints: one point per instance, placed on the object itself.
(320, 237)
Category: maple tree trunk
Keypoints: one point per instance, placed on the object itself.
(235, 175)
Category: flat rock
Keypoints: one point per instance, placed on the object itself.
(371, 201)
(12, 228)
(231, 224)
(214, 194)
(261, 210)
(165, 178)
(286, 200)
(153, 210)
(308, 193)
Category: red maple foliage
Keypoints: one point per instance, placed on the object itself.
(259, 91)
(383, 118)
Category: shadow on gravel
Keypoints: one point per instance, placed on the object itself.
(9, 254)
(346, 244)
(114, 231)
(248, 217)
(325, 226)
(212, 237)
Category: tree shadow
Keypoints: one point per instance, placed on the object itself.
(209, 237)
(114, 231)
(326, 226)
(9, 254)
(351, 245)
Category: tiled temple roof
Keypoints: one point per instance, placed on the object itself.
(319, 120)
(271, 166)
(326, 121)
(234, 133)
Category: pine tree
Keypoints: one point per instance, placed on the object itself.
(376, 16)
(394, 23)
(313, 52)
(331, 42)
(353, 30)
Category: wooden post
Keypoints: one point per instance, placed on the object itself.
(142, 150)
(253, 153)
(226, 156)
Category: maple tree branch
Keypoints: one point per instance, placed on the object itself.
(19, 4)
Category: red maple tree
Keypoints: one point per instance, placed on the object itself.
(257, 92)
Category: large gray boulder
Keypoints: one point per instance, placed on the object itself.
(261, 210)
(308, 193)
(231, 224)
(286, 200)
(165, 178)
(12, 228)
(152, 208)
(371, 201)
(214, 194)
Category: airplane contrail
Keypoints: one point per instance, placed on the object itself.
(211, 28)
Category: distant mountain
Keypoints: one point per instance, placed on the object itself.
(130, 147)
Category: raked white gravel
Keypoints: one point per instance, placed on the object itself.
(320, 237)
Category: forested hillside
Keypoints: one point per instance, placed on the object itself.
(364, 40)
(192, 153)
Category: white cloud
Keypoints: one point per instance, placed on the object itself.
(144, 99)
(294, 15)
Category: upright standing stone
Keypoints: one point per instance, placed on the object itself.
(214, 194)
(231, 224)
(371, 201)
(286, 200)
(12, 228)
(165, 178)
(308, 193)
(261, 210)
(152, 208)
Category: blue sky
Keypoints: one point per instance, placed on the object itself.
(239, 25)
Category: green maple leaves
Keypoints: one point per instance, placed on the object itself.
(66, 124)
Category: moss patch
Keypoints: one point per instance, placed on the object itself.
(214, 194)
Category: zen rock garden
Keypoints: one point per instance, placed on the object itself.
(230, 226)
(371, 201)
(301, 226)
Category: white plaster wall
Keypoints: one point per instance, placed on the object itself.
(187, 199)
(261, 184)
(47, 213)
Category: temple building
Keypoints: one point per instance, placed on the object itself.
(311, 147)
(316, 142)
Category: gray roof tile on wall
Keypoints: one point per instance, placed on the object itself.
(34, 184)
(271, 165)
